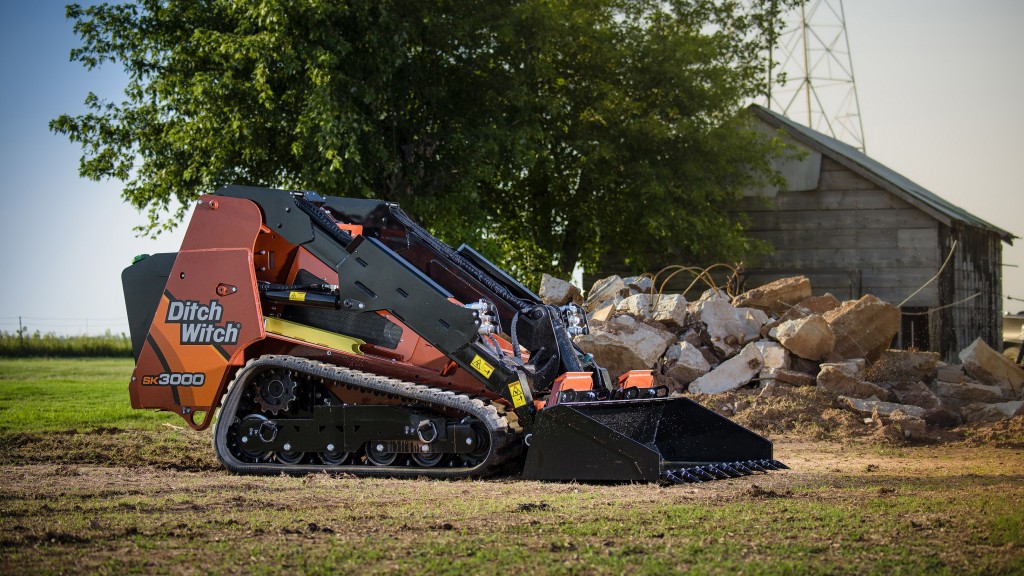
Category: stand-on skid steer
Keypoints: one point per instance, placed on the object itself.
(337, 334)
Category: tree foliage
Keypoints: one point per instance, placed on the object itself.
(541, 131)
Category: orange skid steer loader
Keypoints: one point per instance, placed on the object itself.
(336, 334)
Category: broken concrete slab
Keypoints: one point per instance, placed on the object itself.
(611, 289)
(980, 412)
(990, 367)
(950, 373)
(639, 284)
(670, 310)
(684, 363)
(844, 379)
(724, 320)
(557, 292)
(776, 297)
(731, 374)
(775, 358)
(872, 406)
(625, 344)
(967, 393)
(794, 378)
(863, 328)
(808, 337)
(903, 366)
(638, 305)
(917, 394)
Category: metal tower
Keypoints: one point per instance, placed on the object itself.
(818, 88)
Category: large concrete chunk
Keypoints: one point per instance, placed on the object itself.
(844, 379)
(685, 363)
(903, 366)
(607, 290)
(731, 374)
(808, 337)
(670, 310)
(794, 378)
(775, 358)
(990, 367)
(776, 297)
(863, 328)
(557, 292)
(874, 406)
(917, 394)
(967, 392)
(980, 412)
(638, 305)
(727, 323)
(625, 344)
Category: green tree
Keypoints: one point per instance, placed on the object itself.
(541, 131)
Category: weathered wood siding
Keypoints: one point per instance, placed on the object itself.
(971, 291)
(850, 237)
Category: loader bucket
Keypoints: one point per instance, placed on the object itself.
(651, 440)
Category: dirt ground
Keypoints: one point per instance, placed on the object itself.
(119, 501)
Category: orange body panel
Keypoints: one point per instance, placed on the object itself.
(637, 379)
(207, 316)
(578, 381)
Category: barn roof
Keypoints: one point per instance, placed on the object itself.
(887, 178)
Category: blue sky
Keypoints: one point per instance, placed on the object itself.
(940, 84)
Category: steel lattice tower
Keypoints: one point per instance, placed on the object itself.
(814, 59)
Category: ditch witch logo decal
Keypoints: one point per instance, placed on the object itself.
(199, 322)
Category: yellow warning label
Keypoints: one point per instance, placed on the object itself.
(481, 366)
(515, 390)
(297, 296)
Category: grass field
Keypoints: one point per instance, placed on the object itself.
(60, 393)
(142, 497)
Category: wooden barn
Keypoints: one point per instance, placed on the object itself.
(855, 227)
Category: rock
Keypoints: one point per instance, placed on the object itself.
(844, 379)
(903, 366)
(775, 358)
(917, 394)
(908, 426)
(610, 289)
(980, 412)
(804, 365)
(776, 297)
(557, 292)
(863, 328)
(873, 406)
(670, 310)
(731, 374)
(638, 284)
(625, 344)
(795, 378)
(808, 337)
(685, 363)
(724, 320)
(950, 373)
(967, 393)
(638, 305)
(602, 314)
(990, 367)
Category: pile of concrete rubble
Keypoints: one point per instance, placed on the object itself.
(779, 335)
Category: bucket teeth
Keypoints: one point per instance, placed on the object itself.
(720, 471)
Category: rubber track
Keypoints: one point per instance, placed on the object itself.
(506, 441)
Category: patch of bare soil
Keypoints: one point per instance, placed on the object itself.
(811, 413)
(171, 449)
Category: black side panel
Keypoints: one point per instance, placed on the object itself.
(143, 283)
